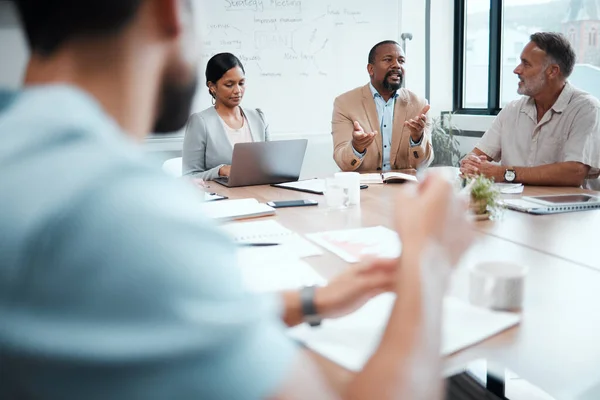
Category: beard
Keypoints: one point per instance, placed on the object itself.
(175, 105)
(387, 85)
(532, 86)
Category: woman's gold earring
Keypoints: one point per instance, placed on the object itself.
(214, 101)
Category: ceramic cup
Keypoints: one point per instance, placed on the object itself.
(497, 285)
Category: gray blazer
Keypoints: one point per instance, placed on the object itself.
(206, 147)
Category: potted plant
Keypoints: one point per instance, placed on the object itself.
(445, 145)
(484, 197)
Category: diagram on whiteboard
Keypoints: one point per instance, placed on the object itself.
(279, 37)
(298, 55)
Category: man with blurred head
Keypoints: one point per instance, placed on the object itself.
(112, 283)
(550, 136)
(382, 126)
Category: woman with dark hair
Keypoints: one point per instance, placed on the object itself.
(211, 134)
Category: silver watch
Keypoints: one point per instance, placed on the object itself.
(510, 175)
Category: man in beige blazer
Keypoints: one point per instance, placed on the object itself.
(382, 126)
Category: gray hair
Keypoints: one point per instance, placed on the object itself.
(558, 49)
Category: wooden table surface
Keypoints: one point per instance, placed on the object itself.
(571, 236)
(557, 345)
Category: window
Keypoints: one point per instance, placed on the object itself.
(477, 54)
(498, 30)
(571, 35)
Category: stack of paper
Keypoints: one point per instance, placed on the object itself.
(351, 340)
(352, 245)
(271, 231)
(227, 210)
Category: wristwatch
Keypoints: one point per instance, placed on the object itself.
(510, 175)
(309, 309)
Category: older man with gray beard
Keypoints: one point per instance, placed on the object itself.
(550, 136)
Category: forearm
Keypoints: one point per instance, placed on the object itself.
(478, 152)
(409, 346)
(292, 312)
(559, 174)
(427, 154)
(207, 175)
(345, 157)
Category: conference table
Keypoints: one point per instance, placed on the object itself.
(556, 346)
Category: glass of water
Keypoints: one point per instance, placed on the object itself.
(336, 193)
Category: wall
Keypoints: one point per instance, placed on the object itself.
(13, 54)
(13, 50)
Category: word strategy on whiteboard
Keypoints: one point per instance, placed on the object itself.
(280, 38)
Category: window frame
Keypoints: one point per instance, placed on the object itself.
(495, 59)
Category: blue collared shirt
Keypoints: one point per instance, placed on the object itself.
(113, 285)
(385, 113)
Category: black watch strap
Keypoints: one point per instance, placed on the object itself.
(309, 310)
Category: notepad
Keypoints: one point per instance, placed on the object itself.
(387, 177)
(270, 231)
(227, 210)
(352, 245)
(351, 340)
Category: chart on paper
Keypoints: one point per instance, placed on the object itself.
(352, 245)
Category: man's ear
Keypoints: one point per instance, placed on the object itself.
(370, 69)
(553, 71)
(168, 14)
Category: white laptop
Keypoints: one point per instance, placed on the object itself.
(553, 204)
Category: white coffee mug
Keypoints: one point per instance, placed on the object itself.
(352, 182)
(336, 193)
(497, 285)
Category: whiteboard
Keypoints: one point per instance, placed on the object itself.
(298, 54)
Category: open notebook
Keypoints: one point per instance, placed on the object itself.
(387, 177)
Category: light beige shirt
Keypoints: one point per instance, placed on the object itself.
(241, 135)
(569, 131)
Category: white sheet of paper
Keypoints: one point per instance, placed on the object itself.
(351, 340)
(352, 245)
(271, 231)
(264, 272)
